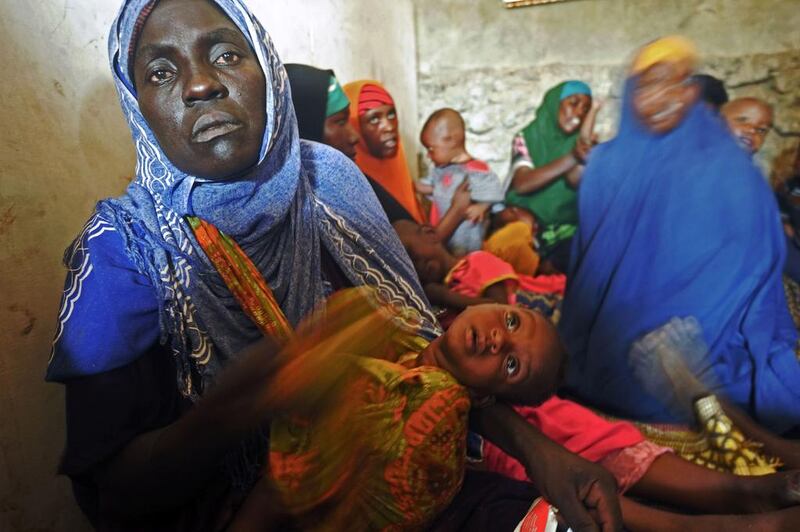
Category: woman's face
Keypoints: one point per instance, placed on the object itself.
(340, 134)
(571, 112)
(379, 131)
(663, 95)
(201, 89)
(503, 350)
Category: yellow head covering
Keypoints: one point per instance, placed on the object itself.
(671, 49)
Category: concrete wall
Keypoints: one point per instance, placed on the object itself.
(65, 145)
(495, 64)
(359, 39)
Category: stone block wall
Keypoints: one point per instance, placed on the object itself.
(498, 102)
(494, 64)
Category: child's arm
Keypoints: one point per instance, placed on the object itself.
(425, 189)
(442, 296)
(455, 214)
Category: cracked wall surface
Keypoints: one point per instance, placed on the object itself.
(494, 64)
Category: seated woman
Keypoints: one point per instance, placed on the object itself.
(547, 159)
(380, 152)
(387, 470)
(323, 115)
(164, 399)
(677, 221)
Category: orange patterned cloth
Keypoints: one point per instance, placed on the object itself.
(377, 444)
(243, 279)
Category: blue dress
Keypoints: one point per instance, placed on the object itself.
(679, 225)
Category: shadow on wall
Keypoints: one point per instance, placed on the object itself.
(71, 147)
(104, 138)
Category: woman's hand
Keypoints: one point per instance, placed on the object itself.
(584, 493)
(476, 212)
(461, 198)
(581, 150)
(455, 214)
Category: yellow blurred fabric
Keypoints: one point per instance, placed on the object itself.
(670, 49)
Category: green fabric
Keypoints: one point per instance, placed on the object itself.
(556, 205)
(337, 100)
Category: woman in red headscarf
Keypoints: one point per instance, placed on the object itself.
(380, 153)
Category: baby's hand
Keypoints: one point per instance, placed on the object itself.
(476, 212)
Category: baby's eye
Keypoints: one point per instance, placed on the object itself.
(392, 115)
(512, 365)
(512, 321)
(374, 120)
(227, 58)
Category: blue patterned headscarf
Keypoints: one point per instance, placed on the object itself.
(301, 197)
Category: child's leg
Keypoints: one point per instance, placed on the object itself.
(787, 450)
(673, 480)
(639, 517)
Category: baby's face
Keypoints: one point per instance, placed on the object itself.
(749, 120)
(506, 351)
(441, 144)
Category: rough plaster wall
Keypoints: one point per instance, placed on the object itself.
(495, 64)
(64, 146)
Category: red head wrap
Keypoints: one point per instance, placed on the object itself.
(371, 97)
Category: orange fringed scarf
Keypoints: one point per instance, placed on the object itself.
(366, 443)
(392, 173)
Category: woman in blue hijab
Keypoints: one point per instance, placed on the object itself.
(675, 221)
(146, 324)
(163, 369)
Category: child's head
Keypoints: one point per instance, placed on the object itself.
(443, 137)
(749, 119)
(427, 252)
(512, 353)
